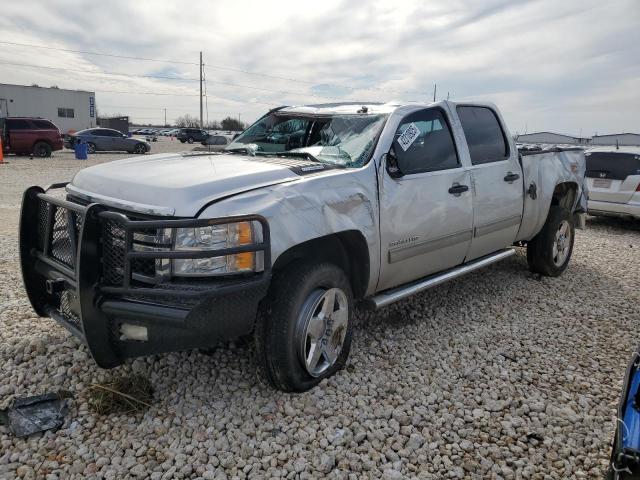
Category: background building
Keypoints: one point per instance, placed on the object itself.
(551, 138)
(70, 110)
(117, 123)
(617, 139)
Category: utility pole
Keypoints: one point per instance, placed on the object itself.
(165, 117)
(201, 68)
(435, 87)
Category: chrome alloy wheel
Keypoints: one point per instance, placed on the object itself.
(562, 244)
(321, 329)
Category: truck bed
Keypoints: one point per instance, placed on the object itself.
(542, 168)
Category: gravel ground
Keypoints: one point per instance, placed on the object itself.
(501, 374)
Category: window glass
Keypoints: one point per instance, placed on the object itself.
(484, 135)
(44, 124)
(423, 143)
(219, 141)
(65, 112)
(18, 125)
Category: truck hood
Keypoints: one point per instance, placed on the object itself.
(177, 184)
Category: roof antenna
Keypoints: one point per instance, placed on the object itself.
(435, 88)
(617, 145)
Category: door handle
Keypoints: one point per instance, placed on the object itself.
(457, 189)
(511, 177)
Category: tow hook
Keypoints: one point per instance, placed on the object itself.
(54, 286)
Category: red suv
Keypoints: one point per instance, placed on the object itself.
(26, 136)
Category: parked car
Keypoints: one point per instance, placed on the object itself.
(613, 177)
(191, 135)
(280, 240)
(216, 142)
(30, 136)
(106, 139)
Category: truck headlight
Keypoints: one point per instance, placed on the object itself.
(215, 237)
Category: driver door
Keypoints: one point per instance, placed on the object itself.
(426, 211)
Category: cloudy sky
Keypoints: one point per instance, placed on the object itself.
(570, 66)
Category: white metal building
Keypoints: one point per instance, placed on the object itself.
(70, 110)
(617, 139)
(551, 138)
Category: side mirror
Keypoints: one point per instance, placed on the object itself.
(392, 166)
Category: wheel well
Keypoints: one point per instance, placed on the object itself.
(42, 140)
(348, 250)
(564, 195)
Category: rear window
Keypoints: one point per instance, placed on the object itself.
(44, 124)
(614, 165)
(485, 138)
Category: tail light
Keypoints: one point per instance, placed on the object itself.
(638, 188)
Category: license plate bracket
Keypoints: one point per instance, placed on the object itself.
(602, 183)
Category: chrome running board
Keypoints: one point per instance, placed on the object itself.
(387, 297)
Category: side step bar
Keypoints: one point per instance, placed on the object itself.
(388, 297)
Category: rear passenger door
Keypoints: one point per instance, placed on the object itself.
(426, 213)
(20, 135)
(496, 180)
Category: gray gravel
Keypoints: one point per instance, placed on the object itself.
(501, 374)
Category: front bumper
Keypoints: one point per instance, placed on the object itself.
(80, 268)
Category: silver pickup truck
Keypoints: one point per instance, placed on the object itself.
(310, 210)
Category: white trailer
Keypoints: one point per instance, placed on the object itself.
(70, 110)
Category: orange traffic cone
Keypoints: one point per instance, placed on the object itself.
(1, 152)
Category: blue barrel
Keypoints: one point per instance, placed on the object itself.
(81, 151)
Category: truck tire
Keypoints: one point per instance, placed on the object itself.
(550, 251)
(42, 150)
(304, 329)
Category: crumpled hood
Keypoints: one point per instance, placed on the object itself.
(176, 184)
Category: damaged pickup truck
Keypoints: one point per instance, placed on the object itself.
(310, 210)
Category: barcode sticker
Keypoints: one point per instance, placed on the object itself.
(408, 136)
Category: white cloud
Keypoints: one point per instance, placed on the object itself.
(550, 65)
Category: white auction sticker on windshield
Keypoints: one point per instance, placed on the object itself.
(408, 136)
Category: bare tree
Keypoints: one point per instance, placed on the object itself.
(187, 121)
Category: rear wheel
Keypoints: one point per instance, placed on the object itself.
(303, 333)
(550, 251)
(139, 148)
(91, 147)
(42, 149)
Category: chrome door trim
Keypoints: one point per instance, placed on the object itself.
(496, 225)
(403, 252)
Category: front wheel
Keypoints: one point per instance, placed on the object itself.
(303, 334)
(550, 251)
(189, 140)
(139, 149)
(91, 147)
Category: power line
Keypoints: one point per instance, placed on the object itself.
(97, 53)
(160, 77)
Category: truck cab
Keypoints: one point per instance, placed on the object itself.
(310, 211)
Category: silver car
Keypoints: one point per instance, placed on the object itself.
(216, 143)
(107, 139)
(613, 175)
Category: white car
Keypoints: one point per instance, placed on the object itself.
(613, 176)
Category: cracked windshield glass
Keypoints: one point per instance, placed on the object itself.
(344, 140)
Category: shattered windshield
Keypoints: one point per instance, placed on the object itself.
(345, 140)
